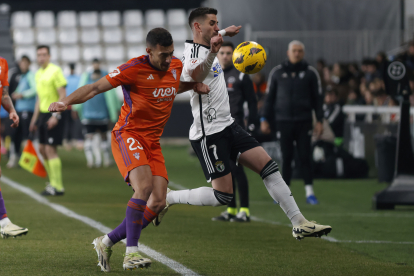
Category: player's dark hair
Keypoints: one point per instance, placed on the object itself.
(159, 36)
(43, 46)
(198, 13)
(96, 60)
(26, 58)
(72, 66)
(228, 44)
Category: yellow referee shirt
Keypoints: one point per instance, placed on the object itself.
(48, 81)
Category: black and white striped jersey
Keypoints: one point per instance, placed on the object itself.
(211, 112)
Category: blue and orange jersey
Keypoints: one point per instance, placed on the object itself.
(148, 95)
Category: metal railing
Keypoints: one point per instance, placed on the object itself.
(386, 111)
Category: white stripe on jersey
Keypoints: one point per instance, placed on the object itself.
(215, 105)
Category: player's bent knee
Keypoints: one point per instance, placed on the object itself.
(222, 198)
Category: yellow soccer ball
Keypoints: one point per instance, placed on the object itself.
(249, 57)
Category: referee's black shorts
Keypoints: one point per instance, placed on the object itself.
(215, 151)
(47, 136)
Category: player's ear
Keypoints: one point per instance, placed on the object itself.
(197, 26)
(148, 50)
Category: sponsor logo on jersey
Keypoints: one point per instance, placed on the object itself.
(174, 72)
(301, 74)
(255, 51)
(284, 75)
(220, 166)
(231, 79)
(114, 73)
(164, 92)
(217, 70)
(150, 77)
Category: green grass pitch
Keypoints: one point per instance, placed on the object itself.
(58, 245)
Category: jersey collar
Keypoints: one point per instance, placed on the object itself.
(192, 42)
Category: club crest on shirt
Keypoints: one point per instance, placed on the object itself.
(136, 155)
(217, 70)
(301, 74)
(174, 72)
(219, 166)
(211, 115)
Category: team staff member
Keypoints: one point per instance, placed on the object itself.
(25, 97)
(294, 91)
(241, 90)
(51, 87)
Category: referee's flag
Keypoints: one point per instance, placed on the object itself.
(30, 161)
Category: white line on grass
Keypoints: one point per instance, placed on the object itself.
(328, 238)
(176, 266)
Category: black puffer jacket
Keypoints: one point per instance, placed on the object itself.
(294, 90)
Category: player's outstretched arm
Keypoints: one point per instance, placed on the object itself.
(81, 95)
(200, 72)
(231, 31)
(198, 87)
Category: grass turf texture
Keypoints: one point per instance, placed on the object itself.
(58, 245)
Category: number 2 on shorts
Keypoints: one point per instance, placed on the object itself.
(131, 146)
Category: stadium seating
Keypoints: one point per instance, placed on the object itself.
(79, 37)
(21, 19)
(23, 36)
(88, 19)
(67, 19)
(68, 36)
(46, 36)
(44, 19)
(110, 18)
(133, 18)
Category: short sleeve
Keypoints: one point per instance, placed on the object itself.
(122, 75)
(4, 74)
(188, 68)
(59, 79)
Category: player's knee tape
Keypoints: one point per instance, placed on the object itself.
(223, 198)
(270, 168)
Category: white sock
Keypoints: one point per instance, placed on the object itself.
(107, 241)
(131, 249)
(281, 193)
(309, 190)
(203, 196)
(4, 222)
(105, 145)
(87, 147)
(97, 149)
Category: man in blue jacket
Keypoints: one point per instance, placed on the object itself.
(95, 115)
(25, 97)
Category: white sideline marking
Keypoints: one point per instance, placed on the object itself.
(327, 238)
(176, 266)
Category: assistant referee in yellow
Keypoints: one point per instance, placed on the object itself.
(51, 87)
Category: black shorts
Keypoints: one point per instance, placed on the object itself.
(215, 151)
(95, 128)
(53, 136)
(24, 124)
